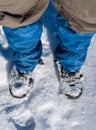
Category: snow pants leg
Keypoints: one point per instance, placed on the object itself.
(26, 44)
(72, 48)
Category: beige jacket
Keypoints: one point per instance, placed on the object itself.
(16, 13)
(80, 14)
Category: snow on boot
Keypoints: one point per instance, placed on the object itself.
(71, 84)
(20, 84)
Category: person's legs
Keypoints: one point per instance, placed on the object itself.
(71, 51)
(26, 44)
(27, 47)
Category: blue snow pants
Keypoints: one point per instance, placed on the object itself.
(72, 48)
(26, 44)
(25, 41)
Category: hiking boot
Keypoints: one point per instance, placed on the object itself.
(71, 83)
(20, 84)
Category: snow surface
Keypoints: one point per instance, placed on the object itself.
(46, 108)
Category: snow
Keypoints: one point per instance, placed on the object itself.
(46, 108)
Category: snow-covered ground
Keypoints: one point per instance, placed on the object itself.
(46, 108)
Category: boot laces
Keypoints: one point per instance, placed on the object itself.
(72, 77)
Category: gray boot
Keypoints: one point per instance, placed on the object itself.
(20, 84)
(71, 84)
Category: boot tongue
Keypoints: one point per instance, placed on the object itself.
(72, 73)
(20, 74)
